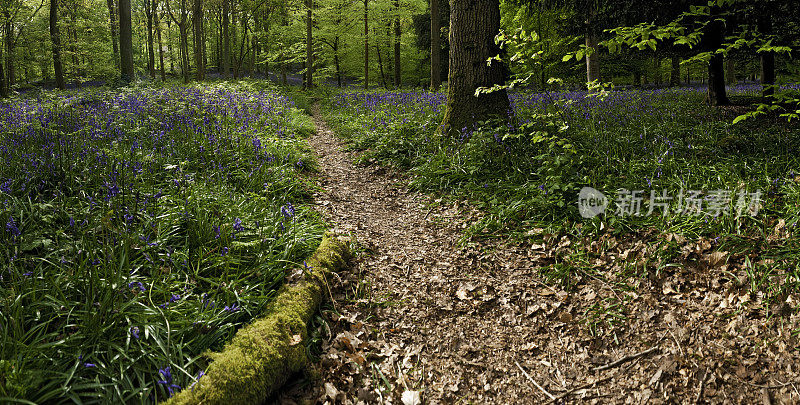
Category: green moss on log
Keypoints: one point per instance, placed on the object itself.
(263, 355)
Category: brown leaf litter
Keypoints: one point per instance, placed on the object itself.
(422, 319)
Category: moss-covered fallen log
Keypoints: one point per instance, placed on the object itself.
(264, 354)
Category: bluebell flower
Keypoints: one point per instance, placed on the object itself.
(135, 332)
(166, 374)
(287, 210)
(136, 285)
(237, 225)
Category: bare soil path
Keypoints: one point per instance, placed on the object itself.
(422, 315)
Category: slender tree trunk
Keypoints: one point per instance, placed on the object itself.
(380, 66)
(436, 50)
(767, 58)
(3, 84)
(112, 20)
(366, 44)
(716, 67)
(197, 18)
(309, 44)
(226, 39)
(184, 32)
(336, 62)
(656, 70)
(675, 73)
(473, 27)
(730, 72)
(160, 45)
(126, 41)
(56, 40)
(593, 59)
(397, 34)
(170, 49)
(11, 75)
(151, 55)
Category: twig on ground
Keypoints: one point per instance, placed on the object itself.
(765, 398)
(573, 390)
(625, 359)
(534, 381)
(702, 387)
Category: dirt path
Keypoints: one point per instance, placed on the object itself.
(475, 324)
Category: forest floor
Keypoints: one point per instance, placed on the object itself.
(425, 316)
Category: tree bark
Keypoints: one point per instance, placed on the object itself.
(366, 44)
(675, 74)
(226, 39)
(160, 45)
(730, 72)
(767, 58)
(170, 50)
(436, 50)
(151, 55)
(11, 75)
(716, 66)
(592, 59)
(397, 34)
(197, 20)
(309, 44)
(656, 70)
(473, 27)
(112, 17)
(56, 40)
(126, 41)
(3, 86)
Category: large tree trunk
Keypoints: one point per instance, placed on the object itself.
(397, 34)
(226, 39)
(336, 61)
(112, 17)
(309, 45)
(767, 58)
(160, 45)
(593, 58)
(151, 55)
(170, 49)
(366, 44)
(436, 50)
(473, 27)
(184, 33)
(197, 19)
(126, 41)
(716, 66)
(56, 40)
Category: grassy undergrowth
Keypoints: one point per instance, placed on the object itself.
(141, 228)
(525, 173)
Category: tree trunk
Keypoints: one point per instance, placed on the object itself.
(126, 41)
(767, 58)
(730, 72)
(592, 59)
(675, 73)
(656, 70)
(197, 20)
(160, 45)
(309, 44)
(380, 66)
(56, 40)
(226, 39)
(366, 44)
(436, 50)
(397, 33)
(112, 17)
(336, 62)
(3, 86)
(170, 50)
(716, 66)
(151, 55)
(184, 33)
(11, 75)
(473, 27)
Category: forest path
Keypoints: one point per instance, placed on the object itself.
(418, 312)
(421, 314)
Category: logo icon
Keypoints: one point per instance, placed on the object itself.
(591, 202)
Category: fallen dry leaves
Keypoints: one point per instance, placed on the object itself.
(422, 319)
